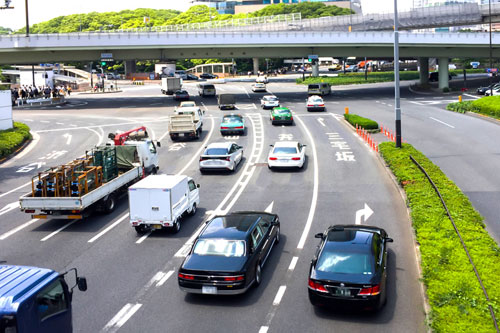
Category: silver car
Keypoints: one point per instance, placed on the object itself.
(223, 155)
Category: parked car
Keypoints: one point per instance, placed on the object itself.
(208, 76)
(351, 68)
(281, 115)
(181, 95)
(335, 67)
(494, 92)
(286, 154)
(224, 155)
(315, 103)
(192, 77)
(269, 101)
(232, 123)
(349, 267)
(229, 254)
(434, 77)
(483, 90)
(259, 87)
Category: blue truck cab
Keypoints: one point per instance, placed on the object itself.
(36, 299)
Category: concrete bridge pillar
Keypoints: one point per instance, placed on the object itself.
(424, 71)
(315, 69)
(443, 73)
(129, 67)
(255, 65)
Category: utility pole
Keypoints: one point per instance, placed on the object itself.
(397, 104)
(7, 5)
(491, 51)
(27, 20)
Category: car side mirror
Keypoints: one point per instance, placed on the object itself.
(389, 240)
(82, 283)
(271, 145)
(158, 143)
(304, 145)
(197, 185)
(320, 235)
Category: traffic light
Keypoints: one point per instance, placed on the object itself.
(103, 63)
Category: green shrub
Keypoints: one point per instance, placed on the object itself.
(446, 89)
(455, 296)
(489, 106)
(12, 138)
(365, 123)
(359, 78)
(462, 107)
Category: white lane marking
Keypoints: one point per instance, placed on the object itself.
(293, 263)
(263, 329)
(245, 173)
(72, 125)
(163, 136)
(36, 139)
(155, 279)
(469, 95)
(45, 121)
(59, 123)
(140, 240)
(153, 136)
(246, 92)
(122, 316)
(366, 212)
(9, 207)
(58, 231)
(68, 138)
(164, 278)
(136, 121)
(254, 106)
(314, 199)
(279, 295)
(156, 104)
(442, 122)
(99, 235)
(322, 121)
(204, 106)
(19, 228)
(269, 208)
(99, 135)
(197, 154)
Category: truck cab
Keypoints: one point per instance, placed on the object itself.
(194, 111)
(36, 299)
(148, 154)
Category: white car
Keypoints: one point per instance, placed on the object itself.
(495, 90)
(223, 155)
(262, 79)
(269, 102)
(315, 103)
(259, 87)
(286, 154)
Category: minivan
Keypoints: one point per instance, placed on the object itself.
(319, 89)
(206, 89)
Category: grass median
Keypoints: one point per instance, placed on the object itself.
(455, 296)
(488, 106)
(362, 122)
(359, 78)
(13, 138)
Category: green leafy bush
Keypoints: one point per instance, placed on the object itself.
(362, 122)
(489, 106)
(455, 296)
(12, 138)
(359, 78)
(460, 107)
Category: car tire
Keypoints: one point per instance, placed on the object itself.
(192, 212)
(141, 229)
(109, 204)
(258, 275)
(177, 226)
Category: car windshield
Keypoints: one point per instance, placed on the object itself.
(345, 263)
(188, 104)
(316, 100)
(232, 119)
(216, 151)
(220, 247)
(208, 86)
(284, 150)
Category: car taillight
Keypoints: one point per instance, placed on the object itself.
(227, 158)
(186, 276)
(239, 127)
(295, 158)
(371, 291)
(310, 105)
(201, 158)
(317, 286)
(274, 118)
(30, 211)
(273, 158)
(322, 105)
(291, 117)
(224, 128)
(235, 278)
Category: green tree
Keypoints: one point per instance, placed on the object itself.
(4, 31)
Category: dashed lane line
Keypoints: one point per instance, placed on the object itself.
(165, 278)
(293, 263)
(102, 233)
(279, 295)
(442, 122)
(146, 235)
(122, 317)
(19, 228)
(58, 230)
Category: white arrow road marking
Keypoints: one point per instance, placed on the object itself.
(269, 208)
(322, 121)
(366, 212)
(68, 138)
(9, 207)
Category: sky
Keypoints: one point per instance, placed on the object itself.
(44, 10)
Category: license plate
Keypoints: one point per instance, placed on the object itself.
(343, 292)
(283, 160)
(157, 226)
(209, 290)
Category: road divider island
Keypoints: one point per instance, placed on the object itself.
(12, 139)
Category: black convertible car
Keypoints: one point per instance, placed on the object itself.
(228, 255)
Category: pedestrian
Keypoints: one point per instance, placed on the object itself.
(69, 90)
(46, 92)
(23, 94)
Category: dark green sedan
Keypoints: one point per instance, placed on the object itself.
(281, 115)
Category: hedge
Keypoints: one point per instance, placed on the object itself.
(359, 78)
(12, 138)
(365, 123)
(489, 106)
(455, 296)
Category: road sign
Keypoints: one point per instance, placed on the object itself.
(107, 59)
(312, 56)
(106, 55)
(492, 70)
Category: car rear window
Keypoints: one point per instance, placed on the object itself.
(281, 111)
(216, 151)
(220, 247)
(208, 86)
(314, 86)
(271, 99)
(232, 119)
(345, 263)
(284, 150)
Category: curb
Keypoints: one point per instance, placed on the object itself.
(100, 93)
(38, 105)
(418, 92)
(481, 116)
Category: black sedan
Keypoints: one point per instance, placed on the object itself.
(483, 90)
(349, 267)
(208, 76)
(228, 255)
(181, 95)
(193, 77)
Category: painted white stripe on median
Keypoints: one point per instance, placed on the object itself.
(264, 329)
(122, 316)
(442, 122)
(314, 199)
(21, 227)
(140, 240)
(293, 263)
(279, 295)
(58, 231)
(96, 237)
(164, 278)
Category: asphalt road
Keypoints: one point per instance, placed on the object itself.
(132, 279)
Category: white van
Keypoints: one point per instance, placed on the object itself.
(318, 89)
(160, 201)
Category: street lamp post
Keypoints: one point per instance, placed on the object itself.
(491, 51)
(397, 103)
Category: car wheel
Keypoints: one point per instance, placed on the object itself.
(109, 204)
(278, 236)
(258, 275)
(193, 210)
(269, 167)
(177, 226)
(141, 229)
